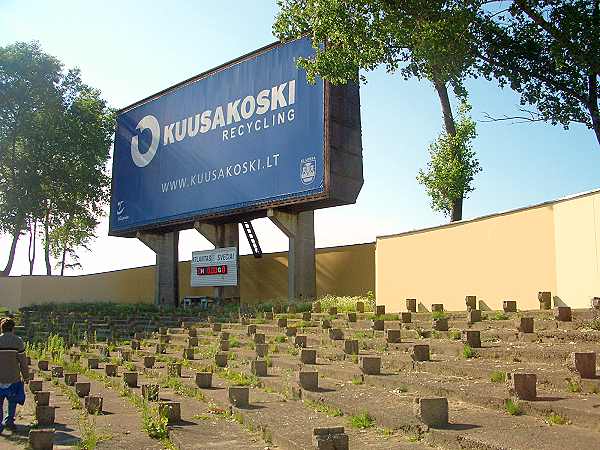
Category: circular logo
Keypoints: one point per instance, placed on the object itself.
(143, 159)
(308, 169)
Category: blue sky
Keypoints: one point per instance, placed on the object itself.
(131, 49)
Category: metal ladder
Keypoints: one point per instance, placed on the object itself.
(252, 239)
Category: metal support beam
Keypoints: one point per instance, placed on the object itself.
(300, 230)
(223, 235)
(166, 247)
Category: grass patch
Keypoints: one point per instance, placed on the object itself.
(357, 380)
(324, 408)
(573, 386)
(234, 342)
(154, 423)
(438, 315)
(498, 377)
(280, 339)
(362, 421)
(468, 352)
(90, 436)
(455, 335)
(499, 315)
(385, 432)
(238, 378)
(512, 407)
(556, 419)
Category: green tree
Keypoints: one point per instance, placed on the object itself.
(548, 51)
(452, 166)
(76, 232)
(427, 39)
(53, 158)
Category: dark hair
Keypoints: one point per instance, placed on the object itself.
(7, 325)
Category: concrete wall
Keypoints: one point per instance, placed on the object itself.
(512, 255)
(348, 270)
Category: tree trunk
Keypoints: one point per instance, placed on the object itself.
(47, 243)
(442, 90)
(62, 263)
(593, 104)
(11, 255)
(32, 245)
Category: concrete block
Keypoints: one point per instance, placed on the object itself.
(92, 363)
(291, 331)
(526, 325)
(164, 339)
(352, 317)
(258, 367)
(57, 372)
(282, 322)
(522, 385)
(70, 379)
(308, 356)
(472, 338)
(163, 331)
(316, 307)
(82, 388)
(351, 346)
(471, 302)
(251, 330)
(432, 411)
(262, 350)
(411, 305)
(135, 344)
(420, 352)
(224, 336)
(545, 299)
(377, 324)
(204, 380)
(125, 355)
(192, 341)
(360, 307)
(325, 324)
(406, 317)
(259, 338)
(42, 398)
(224, 346)
(216, 327)
(393, 336)
(188, 353)
(35, 385)
(239, 396)
(308, 380)
(149, 362)
(130, 379)
(332, 438)
(307, 316)
(300, 340)
(370, 365)
(192, 332)
(172, 410)
(379, 310)
(45, 415)
(440, 324)
(43, 365)
(221, 359)
(110, 370)
(596, 303)
(509, 306)
(474, 316)
(584, 363)
(268, 316)
(174, 369)
(562, 313)
(150, 392)
(93, 404)
(41, 439)
(437, 307)
(335, 334)
(332, 311)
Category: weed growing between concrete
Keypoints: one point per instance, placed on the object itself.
(468, 352)
(347, 304)
(90, 437)
(357, 380)
(573, 386)
(556, 419)
(238, 378)
(385, 432)
(454, 335)
(154, 422)
(324, 408)
(512, 407)
(438, 315)
(499, 315)
(280, 339)
(362, 421)
(498, 377)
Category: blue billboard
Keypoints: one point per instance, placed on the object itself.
(243, 136)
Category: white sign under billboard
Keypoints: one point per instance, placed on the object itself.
(218, 267)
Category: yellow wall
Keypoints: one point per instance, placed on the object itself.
(348, 270)
(507, 256)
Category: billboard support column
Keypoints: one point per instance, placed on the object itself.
(223, 235)
(300, 230)
(166, 247)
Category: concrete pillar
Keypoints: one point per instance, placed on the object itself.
(223, 235)
(166, 247)
(300, 230)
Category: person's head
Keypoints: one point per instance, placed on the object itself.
(7, 326)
